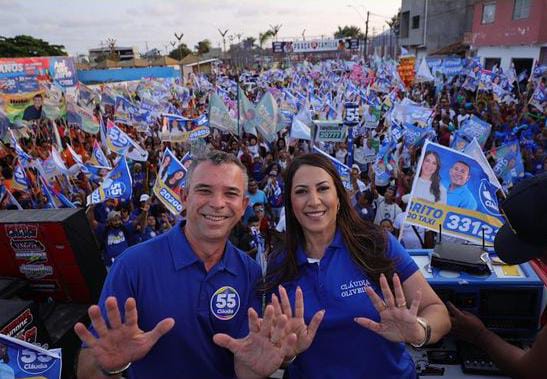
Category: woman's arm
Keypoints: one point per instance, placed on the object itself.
(431, 307)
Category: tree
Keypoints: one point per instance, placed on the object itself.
(180, 52)
(264, 37)
(249, 43)
(395, 22)
(274, 29)
(203, 47)
(349, 32)
(27, 46)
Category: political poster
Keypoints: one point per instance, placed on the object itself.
(266, 117)
(82, 117)
(120, 143)
(452, 192)
(118, 184)
(509, 166)
(170, 181)
(330, 131)
(474, 127)
(219, 117)
(23, 360)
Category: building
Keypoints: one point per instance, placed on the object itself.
(510, 31)
(385, 44)
(427, 26)
(122, 53)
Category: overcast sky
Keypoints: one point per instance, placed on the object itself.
(80, 25)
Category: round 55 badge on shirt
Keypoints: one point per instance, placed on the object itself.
(225, 303)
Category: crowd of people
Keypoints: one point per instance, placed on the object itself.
(282, 206)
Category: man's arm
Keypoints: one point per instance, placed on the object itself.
(88, 367)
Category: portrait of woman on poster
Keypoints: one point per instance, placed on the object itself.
(428, 183)
(175, 181)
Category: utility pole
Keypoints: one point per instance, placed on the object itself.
(366, 37)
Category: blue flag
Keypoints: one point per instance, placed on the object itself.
(343, 170)
(117, 185)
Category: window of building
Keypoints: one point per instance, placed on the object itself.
(405, 19)
(523, 65)
(488, 13)
(415, 22)
(489, 63)
(521, 9)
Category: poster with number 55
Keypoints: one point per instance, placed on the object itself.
(452, 191)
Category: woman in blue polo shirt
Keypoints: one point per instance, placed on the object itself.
(373, 296)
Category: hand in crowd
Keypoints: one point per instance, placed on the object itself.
(398, 322)
(122, 342)
(465, 325)
(263, 350)
(304, 333)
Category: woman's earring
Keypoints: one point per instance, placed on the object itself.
(338, 208)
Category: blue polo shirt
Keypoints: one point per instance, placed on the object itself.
(342, 348)
(460, 197)
(167, 279)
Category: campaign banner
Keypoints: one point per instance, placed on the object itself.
(266, 117)
(474, 127)
(343, 170)
(509, 166)
(247, 113)
(311, 46)
(118, 184)
(408, 113)
(415, 136)
(452, 66)
(15, 104)
(331, 131)
(453, 192)
(120, 143)
(97, 156)
(219, 117)
(170, 182)
(82, 117)
(63, 71)
(23, 360)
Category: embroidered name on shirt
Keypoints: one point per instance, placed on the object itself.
(353, 287)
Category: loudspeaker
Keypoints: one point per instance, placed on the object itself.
(55, 250)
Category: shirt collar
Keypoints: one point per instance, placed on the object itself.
(183, 255)
(337, 243)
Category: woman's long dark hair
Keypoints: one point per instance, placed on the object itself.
(366, 242)
(435, 187)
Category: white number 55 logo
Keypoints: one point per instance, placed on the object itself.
(225, 303)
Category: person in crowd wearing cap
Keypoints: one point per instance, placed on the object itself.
(386, 206)
(143, 199)
(340, 264)
(522, 238)
(458, 195)
(183, 304)
(428, 183)
(115, 236)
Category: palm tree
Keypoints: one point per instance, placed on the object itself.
(349, 32)
(263, 37)
(275, 29)
(249, 43)
(203, 47)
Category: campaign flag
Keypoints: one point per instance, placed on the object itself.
(96, 173)
(474, 150)
(415, 136)
(299, 130)
(125, 110)
(83, 118)
(452, 191)
(539, 97)
(24, 158)
(97, 156)
(266, 117)
(170, 182)
(116, 185)
(509, 166)
(86, 95)
(452, 66)
(20, 181)
(120, 143)
(173, 127)
(46, 191)
(219, 117)
(23, 360)
(4, 124)
(424, 73)
(6, 198)
(247, 114)
(57, 161)
(474, 127)
(343, 170)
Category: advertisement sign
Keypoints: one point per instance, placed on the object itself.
(329, 131)
(453, 191)
(315, 46)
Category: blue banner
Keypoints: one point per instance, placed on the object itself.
(170, 181)
(117, 185)
(509, 166)
(343, 170)
(23, 360)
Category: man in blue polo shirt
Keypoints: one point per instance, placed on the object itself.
(458, 195)
(192, 291)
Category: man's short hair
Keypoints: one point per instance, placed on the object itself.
(37, 96)
(216, 157)
(463, 163)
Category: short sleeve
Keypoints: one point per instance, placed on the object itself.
(404, 264)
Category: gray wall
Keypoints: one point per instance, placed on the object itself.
(447, 22)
